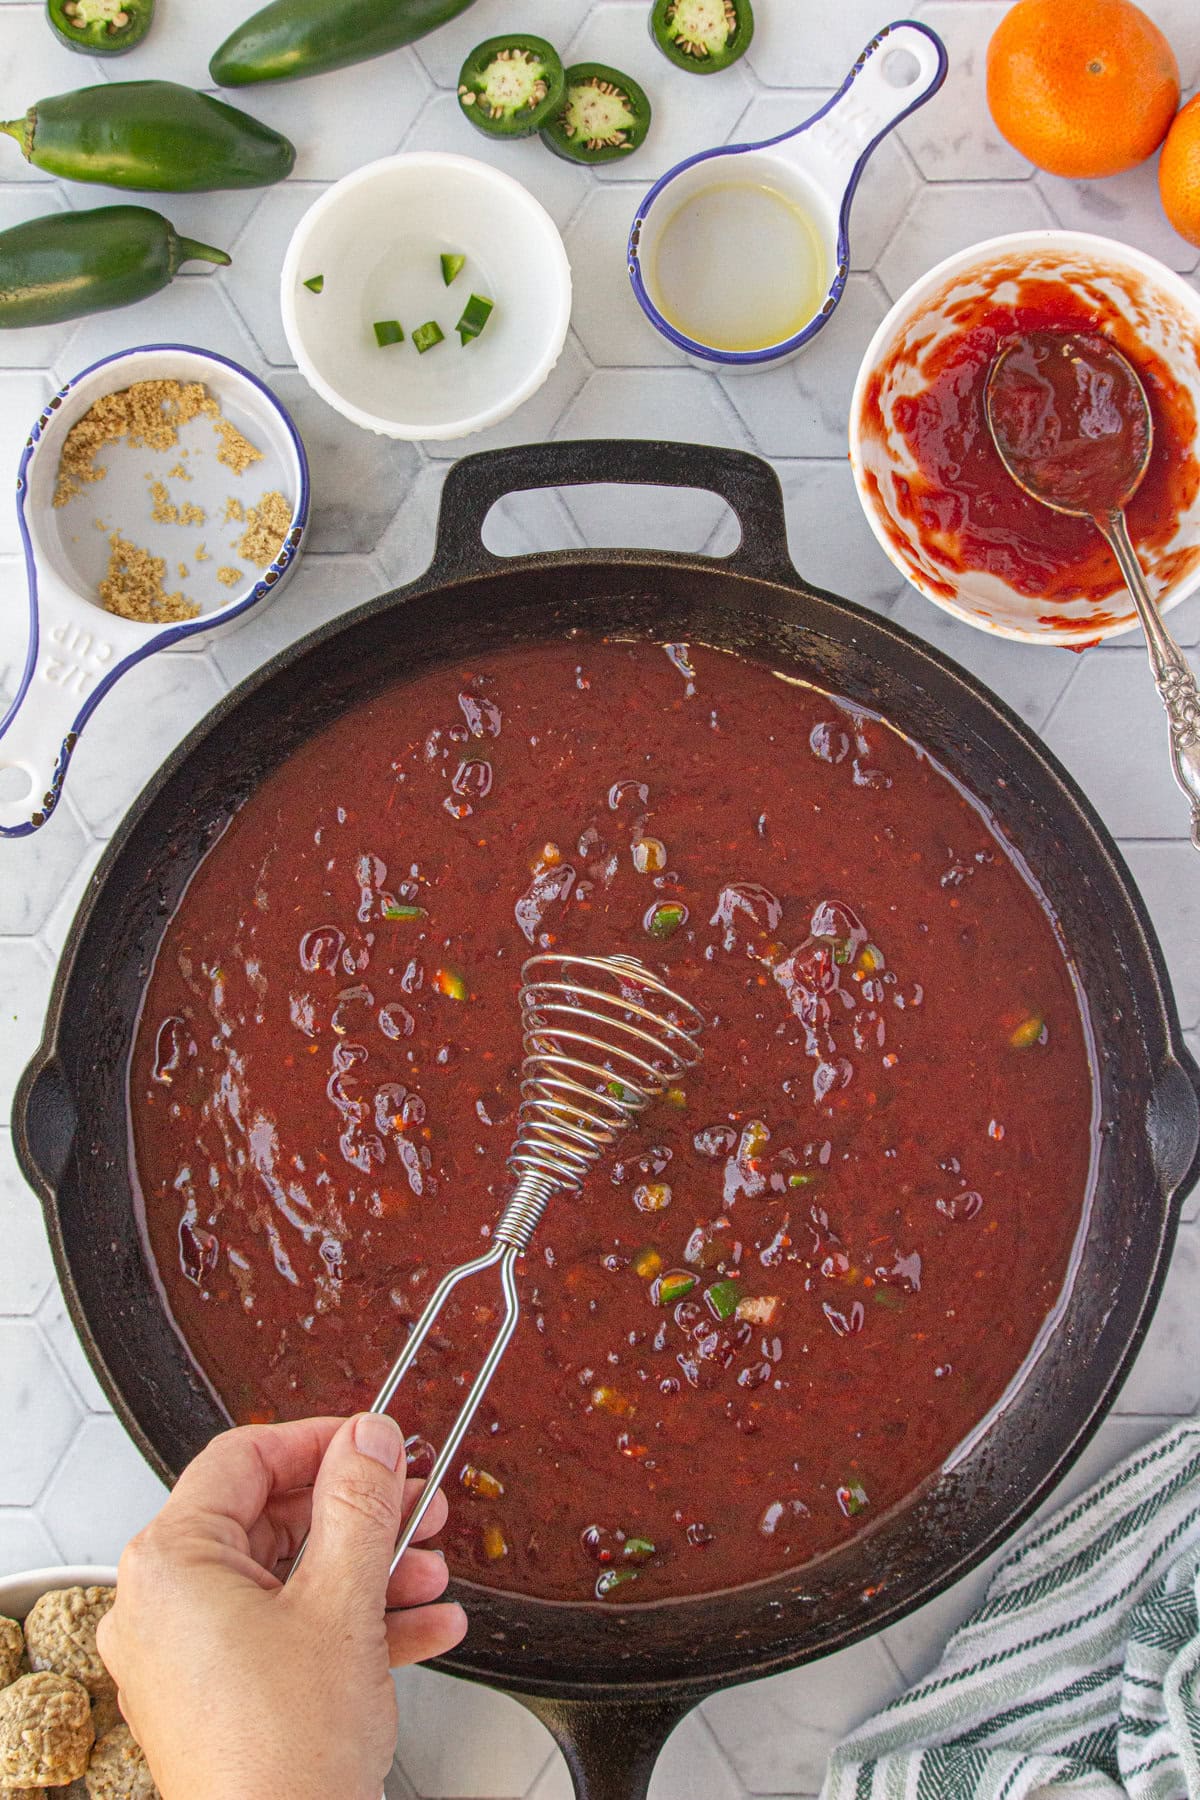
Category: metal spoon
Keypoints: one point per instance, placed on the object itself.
(1117, 409)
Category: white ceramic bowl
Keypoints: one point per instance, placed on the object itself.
(18, 1592)
(1165, 313)
(376, 237)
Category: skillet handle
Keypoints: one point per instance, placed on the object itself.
(611, 1746)
(749, 486)
(44, 1124)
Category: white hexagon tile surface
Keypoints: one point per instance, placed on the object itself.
(71, 1484)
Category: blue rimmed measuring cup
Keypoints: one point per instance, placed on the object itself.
(740, 254)
(77, 649)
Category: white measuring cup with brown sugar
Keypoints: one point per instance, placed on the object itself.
(185, 506)
(739, 255)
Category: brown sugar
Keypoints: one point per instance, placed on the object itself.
(149, 413)
(202, 555)
(133, 587)
(236, 452)
(228, 576)
(164, 511)
(267, 525)
(234, 510)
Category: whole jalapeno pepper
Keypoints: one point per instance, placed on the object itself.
(151, 135)
(68, 264)
(290, 38)
(100, 27)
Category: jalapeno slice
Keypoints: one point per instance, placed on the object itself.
(510, 86)
(702, 35)
(603, 117)
(100, 27)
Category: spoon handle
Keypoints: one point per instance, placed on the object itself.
(1173, 677)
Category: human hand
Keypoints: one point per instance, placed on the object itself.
(236, 1685)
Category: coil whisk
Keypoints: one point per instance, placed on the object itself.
(603, 1037)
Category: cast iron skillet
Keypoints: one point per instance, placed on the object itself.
(612, 1681)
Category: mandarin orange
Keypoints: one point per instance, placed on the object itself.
(1081, 87)
(1179, 172)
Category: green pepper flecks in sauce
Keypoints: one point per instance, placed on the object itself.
(968, 511)
(798, 1285)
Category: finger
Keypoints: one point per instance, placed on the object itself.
(276, 1537)
(239, 1471)
(283, 1527)
(434, 1519)
(420, 1578)
(358, 1508)
(426, 1631)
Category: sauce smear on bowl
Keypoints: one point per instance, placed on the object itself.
(812, 1270)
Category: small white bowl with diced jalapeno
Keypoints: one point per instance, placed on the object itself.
(426, 295)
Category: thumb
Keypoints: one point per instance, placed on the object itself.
(357, 1512)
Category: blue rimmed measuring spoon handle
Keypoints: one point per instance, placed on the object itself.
(901, 68)
(75, 652)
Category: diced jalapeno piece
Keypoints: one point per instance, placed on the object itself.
(495, 1544)
(450, 983)
(480, 1482)
(722, 1298)
(603, 117)
(510, 86)
(476, 314)
(637, 1549)
(610, 1399)
(889, 1299)
(610, 1579)
(801, 1178)
(427, 335)
(452, 266)
(647, 1264)
(662, 922)
(388, 331)
(392, 909)
(676, 1097)
(852, 1498)
(670, 1288)
(702, 35)
(315, 284)
(1031, 1031)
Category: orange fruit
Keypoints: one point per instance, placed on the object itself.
(1081, 87)
(1179, 172)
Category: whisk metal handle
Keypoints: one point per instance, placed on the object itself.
(513, 1234)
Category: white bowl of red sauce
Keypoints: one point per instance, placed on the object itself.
(931, 481)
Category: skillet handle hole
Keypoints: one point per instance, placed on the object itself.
(606, 515)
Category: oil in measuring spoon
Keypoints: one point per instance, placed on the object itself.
(739, 267)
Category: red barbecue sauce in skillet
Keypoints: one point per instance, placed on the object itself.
(965, 506)
(883, 1157)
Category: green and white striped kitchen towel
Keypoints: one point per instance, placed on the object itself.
(1080, 1673)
